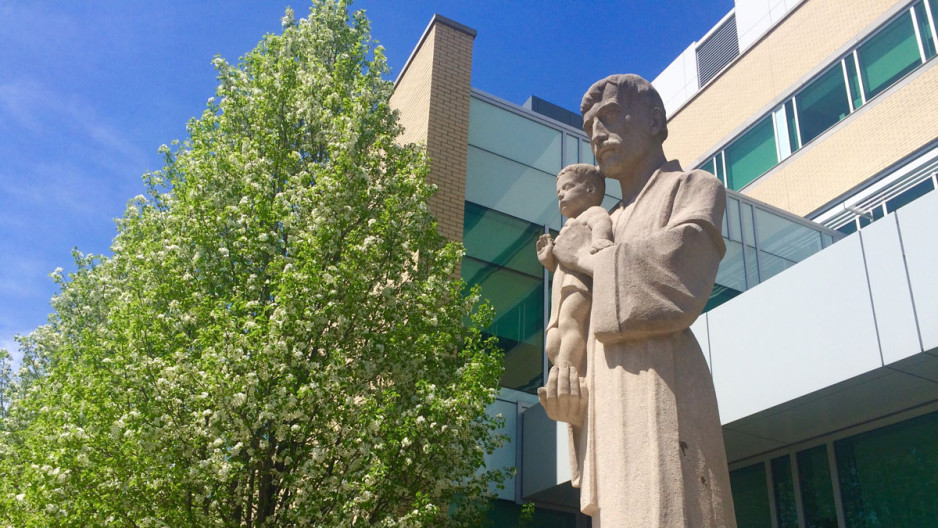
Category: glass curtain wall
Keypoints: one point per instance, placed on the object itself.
(892, 52)
(887, 477)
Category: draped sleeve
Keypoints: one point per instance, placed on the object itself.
(657, 277)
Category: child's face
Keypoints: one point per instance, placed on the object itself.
(573, 194)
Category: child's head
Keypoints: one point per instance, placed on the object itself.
(579, 187)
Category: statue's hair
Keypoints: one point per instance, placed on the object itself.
(629, 88)
(588, 173)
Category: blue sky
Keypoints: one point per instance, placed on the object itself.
(90, 90)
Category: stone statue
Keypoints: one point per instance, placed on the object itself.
(646, 446)
(580, 190)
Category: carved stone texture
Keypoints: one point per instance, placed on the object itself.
(646, 443)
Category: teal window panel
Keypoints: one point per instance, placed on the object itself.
(783, 487)
(750, 497)
(751, 155)
(817, 489)
(505, 514)
(511, 187)
(792, 125)
(513, 136)
(855, 95)
(732, 271)
(586, 153)
(571, 150)
(786, 239)
(500, 239)
(889, 55)
(518, 301)
(924, 30)
(933, 6)
(822, 103)
(889, 476)
(710, 167)
(910, 195)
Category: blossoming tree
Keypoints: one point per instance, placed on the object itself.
(277, 339)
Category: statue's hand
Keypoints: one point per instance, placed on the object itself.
(545, 252)
(572, 248)
(566, 396)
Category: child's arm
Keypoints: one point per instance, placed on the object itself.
(545, 252)
(600, 224)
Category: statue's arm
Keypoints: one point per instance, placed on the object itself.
(659, 284)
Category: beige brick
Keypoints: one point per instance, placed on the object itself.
(771, 68)
(432, 96)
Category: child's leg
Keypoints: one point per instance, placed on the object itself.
(552, 344)
(573, 324)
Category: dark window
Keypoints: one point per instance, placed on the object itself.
(817, 491)
(889, 55)
(750, 497)
(822, 103)
(889, 477)
(786, 512)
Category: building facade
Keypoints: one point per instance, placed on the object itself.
(819, 116)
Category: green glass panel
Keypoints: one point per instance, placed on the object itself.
(505, 514)
(854, 81)
(751, 155)
(510, 187)
(518, 301)
(786, 511)
(822, 103)
(586, 153)
(792, 125)
(933, 5)
(909, 195)
(928, 42)
(889, 476)
(513, 136)
(710, 167)
(750, 497)
(848, 228)
(500, 239)
(817, 491)
(889, 55)
(571, 150)
(718, 163)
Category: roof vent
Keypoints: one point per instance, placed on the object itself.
(717, 51)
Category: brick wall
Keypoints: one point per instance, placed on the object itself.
(772, 67)
(890, 127)
(432, 97)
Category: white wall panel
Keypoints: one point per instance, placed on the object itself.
(805, 329)
(918, 222)
(889, 287)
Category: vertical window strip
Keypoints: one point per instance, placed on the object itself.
(843, 67)
(856, 64)
(794, 109)
(930, 14)
(924, 26)
(918, 33)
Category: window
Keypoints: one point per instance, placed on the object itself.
(751, 155)
(783, 485)
(924, 30)
(889, 476)
(817, 492)
(909, 195)
(889, 55)
(822, 103)
(750, 497)
(501, 259)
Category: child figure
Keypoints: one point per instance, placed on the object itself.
(580, 190)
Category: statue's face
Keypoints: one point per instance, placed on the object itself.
(619, 133)
(573, 194)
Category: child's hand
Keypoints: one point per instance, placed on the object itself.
(599, 244)
(545, 252)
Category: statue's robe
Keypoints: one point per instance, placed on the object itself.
(650, 453)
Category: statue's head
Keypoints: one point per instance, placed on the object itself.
(625, 120)
(579, 187)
